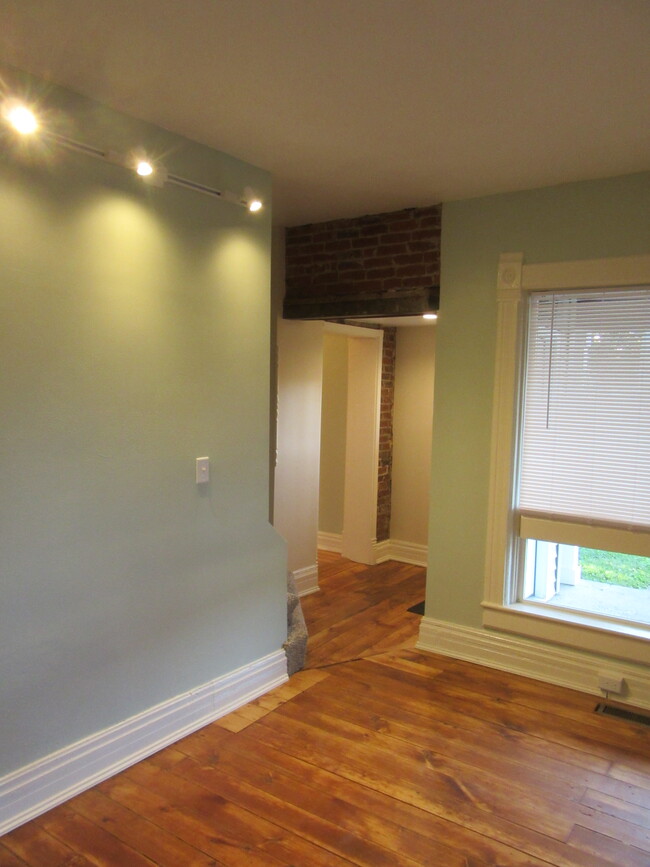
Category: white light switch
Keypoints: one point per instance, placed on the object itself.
(202, 471)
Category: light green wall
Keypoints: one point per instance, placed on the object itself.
(415, 355)
(333, 433)
(586, 220)
(134, 338)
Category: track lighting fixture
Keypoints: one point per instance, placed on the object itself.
(21, 118)
(24, 121)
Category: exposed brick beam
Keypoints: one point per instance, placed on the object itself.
(376, 265)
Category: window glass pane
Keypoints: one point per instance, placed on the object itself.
(598, 582)
(585, 450)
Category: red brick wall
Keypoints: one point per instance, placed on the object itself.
(377, 255)
(386, 435)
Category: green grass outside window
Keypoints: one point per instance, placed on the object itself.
(623, 570)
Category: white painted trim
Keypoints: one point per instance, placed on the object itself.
(383, 551)
(36, 788)
(390, 549)
(536, 659)
(498, 549)
(362, 448)
(404, 552)
(630, 540)
(353, 331)
(306, 580)
(617, 639)
(330, 542)
(514, 280)
(587, 273)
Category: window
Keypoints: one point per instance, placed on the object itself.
(570, 485)
(585, 450)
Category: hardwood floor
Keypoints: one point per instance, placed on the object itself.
(374, 755)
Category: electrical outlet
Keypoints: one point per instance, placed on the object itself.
(611, 683)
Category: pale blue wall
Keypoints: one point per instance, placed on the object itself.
(134, 338)
(593, 219)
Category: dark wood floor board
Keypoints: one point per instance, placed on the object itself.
(618, 807)
(331, 564)
(633, 775)
(348, 593)
(499, 751)
(366, 631)
(229, 844)
(267, 795)
(620, 829)
(90, 840)
(289, 848)
(508, 795)
(295, 851)
(343, 814)
(547, 698)
(363, 606)
(385, 807)
(591, 737)
(471, 710)
(456, 806)
(505, 758)
(236, 826)
(376, 754)
(349, 640)
(8, 859)
(38, 848)
(527, 747)
(404, 779)
(421, 719)
(558, 700)
(592, 740)
(603, 846)
(151, 840)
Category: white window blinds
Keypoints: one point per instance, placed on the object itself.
(585, 450)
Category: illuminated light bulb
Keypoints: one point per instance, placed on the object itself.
(429, 315)
(144, 169)
(254, 205)
(22, 119)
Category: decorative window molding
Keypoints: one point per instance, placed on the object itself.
(515, 280)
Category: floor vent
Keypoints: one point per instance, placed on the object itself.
(621, 713)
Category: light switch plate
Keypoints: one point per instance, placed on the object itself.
(202, 471)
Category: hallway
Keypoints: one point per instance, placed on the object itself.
(361, 610)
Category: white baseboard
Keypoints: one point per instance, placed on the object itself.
(404, 552)
(330, 542)
(36, 788)
(390, 549)
(306, 580)
(382, 551)
(551, 663)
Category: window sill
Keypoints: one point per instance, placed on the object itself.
(595, 634)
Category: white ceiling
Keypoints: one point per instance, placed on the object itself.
(362, 106)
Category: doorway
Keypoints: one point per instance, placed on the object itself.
(350, 441)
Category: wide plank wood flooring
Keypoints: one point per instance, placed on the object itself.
(376, 754)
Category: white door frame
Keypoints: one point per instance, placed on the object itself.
(359, 538)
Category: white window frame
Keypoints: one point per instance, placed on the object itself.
(501, 611)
